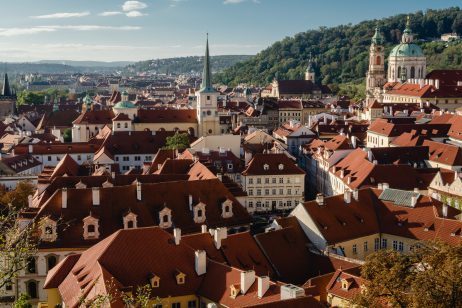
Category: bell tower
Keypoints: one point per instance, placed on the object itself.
(207, 101)
(376, 74)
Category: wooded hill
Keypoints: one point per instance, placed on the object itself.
(342, 52)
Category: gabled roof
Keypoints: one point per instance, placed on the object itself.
(278, 164)
(95, 117)
(444, 153)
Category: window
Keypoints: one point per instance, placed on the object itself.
(376, 244)
(355, 249)
(258, 192)
(265, 167)
(281, 191)
(384, 243)
(31, 287)
(267, 180)
(250, 204)
(192, 304)
(137, 158)
(130, 224)
(273, 180)
(281, 181)
(250, 181)
(126, 125)
(176, 305)
(148, 158)
(126, 158)
(31, 265)
(258, 204)
(165, 218)
(8, 286)
(289, 203)
(401, 246)
(395, 245)
(91, 228)
(118, 125)
(267, 192)
(199, 213)
(274, 191)
(365, 246)
(51, 262)
(49, 158)
(289, 191)
(258, 180)
(250, 192)
(79, 157)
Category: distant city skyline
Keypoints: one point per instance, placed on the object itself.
(108, 30)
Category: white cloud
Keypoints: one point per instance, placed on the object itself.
(8, 32)
(135, 14)
(239, 1)
(133, 6)
(93, 27)
(62, 15)
(110, 13)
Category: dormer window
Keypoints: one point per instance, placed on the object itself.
(227, 209)
(180, 277)
(346, 283)
(154, 281)
(80, 185)
(90, 228)
(199, 213)
(165, 218)
(266, 167)
(130, 220)
(48, 230)
(281, 167)
(235, 290)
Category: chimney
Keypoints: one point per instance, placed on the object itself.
(437, 83)
(177, 235)
(138, 191)
(416, 190)
(356, 194)
(263, 285)
(64, 198)
(29, 200)
(95, 195)
(445, 210)
(414, 200)
(385, 186)
(369, 155)
(342, 173)
(113, 175)
(190, 201)
(31, 148)
(247, 280)
(204, 228)
(353, 142)
(200, 262)
(320, 199)
(219, 235)
(220, 177)
(380, 186)
(375, 162)
(347, 196)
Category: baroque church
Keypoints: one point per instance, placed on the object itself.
(406, 62)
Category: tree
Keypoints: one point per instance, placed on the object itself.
(18, 240)
(67, 135)
(429, 276)
(179, 141)
(22, 302)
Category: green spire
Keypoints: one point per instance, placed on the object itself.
(408, 25)
(206, 85)
(310, 68)
(377, 39)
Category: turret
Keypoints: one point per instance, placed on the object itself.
(310, 73)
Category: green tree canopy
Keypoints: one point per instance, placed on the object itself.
(179, 141)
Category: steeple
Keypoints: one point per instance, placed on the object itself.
(407, 37)
(6, 91)
(56, 105)
(310, 73)
(377, 39)
(206, 85)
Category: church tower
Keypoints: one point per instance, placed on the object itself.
(376, 73)
(310, 74)
(207, 101)
(6, 91)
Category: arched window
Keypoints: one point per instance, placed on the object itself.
(378, 60)
(130, 224)
(118, 125)
(413, 72)
(126, 125)
(399, 72)
(199, 213)
(91, 228)
(165, 218)
(32, 289)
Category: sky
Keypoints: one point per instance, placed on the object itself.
(119, 30)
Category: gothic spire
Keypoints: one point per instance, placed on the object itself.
(206, 85)
(6, 86)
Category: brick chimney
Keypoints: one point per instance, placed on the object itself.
(177, 235)
(247, 280)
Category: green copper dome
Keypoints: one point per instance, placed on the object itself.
(377, 39)
(407, 50)
(87, 100)
(124, 105)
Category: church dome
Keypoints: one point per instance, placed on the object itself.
(124, 105)
(407, 50)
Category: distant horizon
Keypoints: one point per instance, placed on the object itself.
(133, 31)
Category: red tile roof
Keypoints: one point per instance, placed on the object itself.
(167, 116)
(274, 162)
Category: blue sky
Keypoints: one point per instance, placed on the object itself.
(111, 30)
